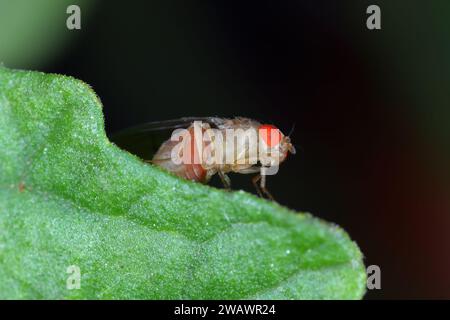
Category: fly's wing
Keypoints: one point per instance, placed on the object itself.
(144, 140)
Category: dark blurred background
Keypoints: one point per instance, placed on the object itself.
(371, 108)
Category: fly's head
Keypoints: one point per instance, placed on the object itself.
(276, 146)
(286, 147)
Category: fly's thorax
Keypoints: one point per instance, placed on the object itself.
(228, 146)
(240, 145)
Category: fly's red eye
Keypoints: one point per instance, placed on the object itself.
(270, 134)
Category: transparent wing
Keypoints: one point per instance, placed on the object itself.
(145, 139)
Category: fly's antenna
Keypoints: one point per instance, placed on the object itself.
(292, 130)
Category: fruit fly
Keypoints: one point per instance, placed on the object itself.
(201, 147)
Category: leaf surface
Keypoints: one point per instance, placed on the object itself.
(69, 197)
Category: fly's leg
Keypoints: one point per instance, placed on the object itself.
(264, 189)
(225, 180)
(261, 187)
(255, 180)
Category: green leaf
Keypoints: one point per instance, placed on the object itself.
(70, 197)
